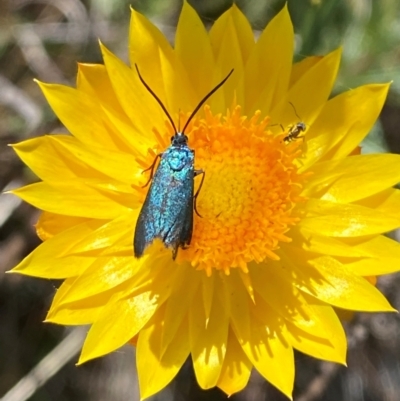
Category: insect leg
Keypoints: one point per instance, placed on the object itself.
(196, 173)
(274, 125)
(152, 170)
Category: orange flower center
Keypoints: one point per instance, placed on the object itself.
(250, 189)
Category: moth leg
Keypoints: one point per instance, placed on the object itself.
(196, 173)
(174, 252)
(151, 168)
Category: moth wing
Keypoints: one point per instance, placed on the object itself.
(167, 212)
(187, 229)
(144, 233)
(164, 213)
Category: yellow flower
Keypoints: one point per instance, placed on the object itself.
(290, 229)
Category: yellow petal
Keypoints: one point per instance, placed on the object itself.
(310, 241)
(134, 99)
(84, 201)
(302, 67)
(76, 109)
(348, 220)
(44, 261)
(265, 352)
(94, 80)
(241, 29)
(42, 155)
(43, 158)
(148, 271)
(146, 42)
(185, 287)
(60, 311)
(104, 274)
(50, 224)
(266, 75)
(149, 48)
(228, 58)
(94, 157)
(376, 247)
(232, 41)
(316, 329)
(267, 72)
(208, 343)
(129, 317)
(334, 283)
(180, 94)
(239, 308)
(156, 368)
(343, 123)
(62, 290)
(207, 292)
(133, 304)
(243, 32)
(118, 231)
(193, 48)
(321, 78)
(269, 352)
(236, 368)
(331, 346)
(382, 255)
(385, 202)
(370, 112)
(373, 255)
(78, 313)
(353, 178)
(370, 267)
(74, 315)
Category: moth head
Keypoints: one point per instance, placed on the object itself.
(179, 139)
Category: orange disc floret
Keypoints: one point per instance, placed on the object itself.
(251, 187)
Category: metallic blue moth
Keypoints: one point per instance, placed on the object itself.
(167, 212)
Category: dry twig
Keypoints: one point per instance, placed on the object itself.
(47, 367)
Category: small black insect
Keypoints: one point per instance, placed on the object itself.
(167, 212)
(296, 129)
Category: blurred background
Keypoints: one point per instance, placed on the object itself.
(45, 39)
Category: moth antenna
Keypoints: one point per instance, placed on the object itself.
(295, 112)
(202, 101)
(157, 98)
